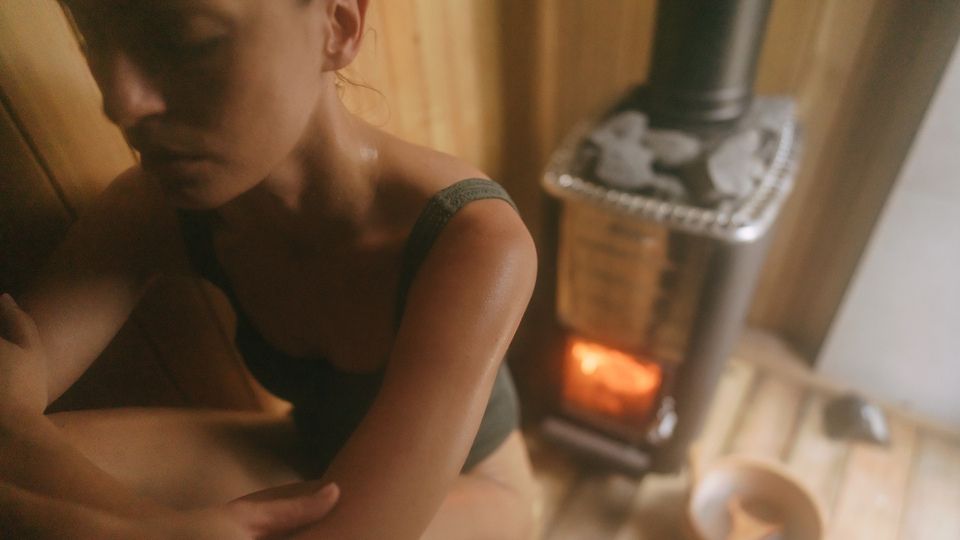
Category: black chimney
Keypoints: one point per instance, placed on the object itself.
(704, 60)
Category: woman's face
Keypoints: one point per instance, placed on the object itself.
(213, 93)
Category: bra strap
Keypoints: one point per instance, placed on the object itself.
(438, 211)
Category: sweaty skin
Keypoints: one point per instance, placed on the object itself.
(233, 108)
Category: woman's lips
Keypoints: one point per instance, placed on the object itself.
(163, 156)
(174, 167)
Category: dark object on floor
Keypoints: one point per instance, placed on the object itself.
(851, 417)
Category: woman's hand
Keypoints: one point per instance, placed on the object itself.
(27, 514)
(23, 369)
(274, 513)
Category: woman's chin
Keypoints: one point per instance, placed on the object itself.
(189, 193)
(191, 186)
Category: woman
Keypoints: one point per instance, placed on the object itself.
(377, 284)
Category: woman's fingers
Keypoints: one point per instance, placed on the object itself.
(15, 325)
(284, 510)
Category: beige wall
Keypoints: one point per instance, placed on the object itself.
(895, 336)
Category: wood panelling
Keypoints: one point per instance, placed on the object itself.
(45, 81)
(429, 72)
(33, 216)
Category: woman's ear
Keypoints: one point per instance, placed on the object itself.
(346, 23)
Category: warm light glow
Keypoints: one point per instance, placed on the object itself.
(621, 372)
(605, 380)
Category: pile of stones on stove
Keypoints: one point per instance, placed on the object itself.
(625, 153)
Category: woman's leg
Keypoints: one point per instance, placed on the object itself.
(192, 459)
(493, 501)
(187, 458)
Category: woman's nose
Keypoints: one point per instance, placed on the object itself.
(130, 94)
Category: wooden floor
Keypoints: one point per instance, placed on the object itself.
(769, 406)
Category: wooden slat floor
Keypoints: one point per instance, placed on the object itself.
(768, 406)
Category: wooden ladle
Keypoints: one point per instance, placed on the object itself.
(746, 526)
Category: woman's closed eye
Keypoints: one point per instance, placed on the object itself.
(186, 38)
(194, 35)
(167, 36)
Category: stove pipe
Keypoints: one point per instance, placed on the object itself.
(704, 60)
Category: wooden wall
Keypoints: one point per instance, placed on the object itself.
(498, 83)
(432, 73)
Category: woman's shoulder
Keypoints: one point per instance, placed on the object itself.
(483, 224)
(132, 215)
(130, 193)
(415, 174)
(426, 170)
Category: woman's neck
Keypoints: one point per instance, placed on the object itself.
(324, 190)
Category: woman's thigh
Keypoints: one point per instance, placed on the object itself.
(187, 458)
(191, 459)
(494, 501)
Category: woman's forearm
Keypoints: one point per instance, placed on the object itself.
(35, 456)
(27, 515)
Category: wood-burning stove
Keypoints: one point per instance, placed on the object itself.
(653, 282)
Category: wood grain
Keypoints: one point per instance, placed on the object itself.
(932, 510)
(45, 81)
(432, 76)
(871, 499)
(555, 474)
(33, 219)
(823, 95)
(769, 418)
(726, 411)
(816, 459)
(658, 511)
(598, 507)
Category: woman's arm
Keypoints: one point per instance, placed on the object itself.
(84, 296)
(24, 514)
(27, 515)
(462, 311)
(89, 286)
(80, 300)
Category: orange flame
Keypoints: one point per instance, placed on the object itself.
(605, 380)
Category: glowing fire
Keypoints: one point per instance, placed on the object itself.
(601, 379)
